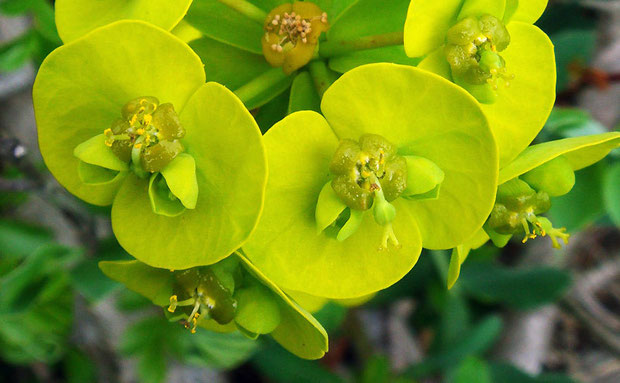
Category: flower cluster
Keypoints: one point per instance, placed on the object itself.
(385, 128)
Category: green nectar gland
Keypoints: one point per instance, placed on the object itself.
(472, 50)
(199, 293)
(292, 33)
(516, 211)
(147, 135)
(366, 174)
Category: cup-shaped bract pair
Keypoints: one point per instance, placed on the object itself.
(491, 48)
(125, 119)
(231, 295)
(526, 189)
(75, 18)
(402, 159)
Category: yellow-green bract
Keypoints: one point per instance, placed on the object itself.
(423, 115)
(580, 152)
(75, 18)
(298, 331)
(79, 92)
(521, 109)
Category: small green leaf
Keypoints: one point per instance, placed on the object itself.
(474, 342)
(221, 23)
(228, 65)
(521, 288)
(20, 239)
(78, 367)
(264, 88)
(505, 373)
(15, 53)
(88, 280)
(369, 18)
(272, 112)
(377, 370)
(572, 48)
(563, 119)
(281, 367)
(473, 370)
(225, 351)
(611, 193)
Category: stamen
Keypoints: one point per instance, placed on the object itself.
(193, 317)
(293, 29)
(173, 304)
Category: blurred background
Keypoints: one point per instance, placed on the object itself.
(521, 314)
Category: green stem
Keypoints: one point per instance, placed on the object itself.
(337, 48)
(322, 77)
(260, 84)
(247, 9)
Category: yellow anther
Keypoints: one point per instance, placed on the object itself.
(138, 145)
(108, 132)
(140, 131)
(173, 304)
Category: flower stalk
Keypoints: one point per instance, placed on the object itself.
(247, 9)
(338, 48)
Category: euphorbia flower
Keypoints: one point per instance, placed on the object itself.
(491, 49)
(257, 36)
(125, 119)
(353, 197)
(526, 189)
(232, 295)
(75, 18)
